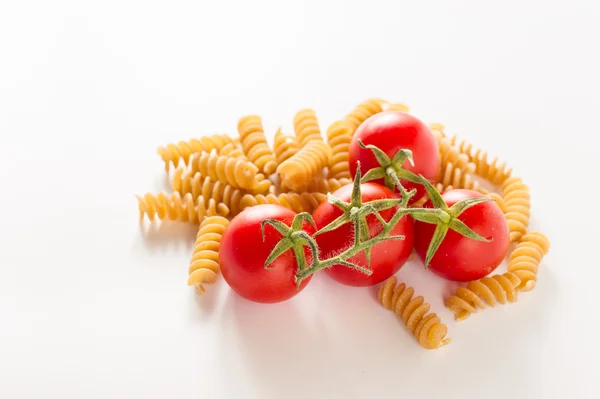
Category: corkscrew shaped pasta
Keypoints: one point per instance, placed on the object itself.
(177, 208)
(297, 172)
(204, 266)
(327, 185)
(364, 111)
(182, 151)
(516, 207)
(499, 201)
(237, 172)
(339, 135)
(525, 260)
(254, 144)
(306, 127)
(397, 107)
(221, 193)
(303, 202)
(232, 150)
(478, 293)
(428, 329)
(284, 146)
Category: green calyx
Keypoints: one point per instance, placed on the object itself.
(445, 218)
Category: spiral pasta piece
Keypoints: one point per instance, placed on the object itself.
(339, 135)
(232, 150)
(482, 293)
(182, 151)
(397, 107)
(364, 111)
(177, 208)
(237, 172)
(327, 185)
(303, 202)
(204, 265)
(306, 127)
(517, 203)
(284, 146)
(428, 329)
(254, 144)
(499, 201)
(300, 169)
(525, 260)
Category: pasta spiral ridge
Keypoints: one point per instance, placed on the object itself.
(254, 144)
(517, 203)
(524, 261)
(237, 172)
(397, 107)
(182, 151)
(327, 185)
(364, 111)
(204, 265)
(284, 146)
(488, 290)
(339, 135)
(177, 208)
(303, 202)
(428, 329)
(232, 150)
(300, 169)
(306, 127)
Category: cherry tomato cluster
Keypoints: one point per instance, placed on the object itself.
(365, 232)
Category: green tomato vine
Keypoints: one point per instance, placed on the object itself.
(355, 212)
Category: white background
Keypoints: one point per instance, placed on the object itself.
(92, 307)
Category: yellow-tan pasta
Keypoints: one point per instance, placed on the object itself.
(517, 203)
(300, 169)
(339, 135)
(177, 208)
(237, 172)
(303, 202)
(182, 151)
(428, 329)
(232, 150)
(204, 266)
(306, 127)
(397, 107)
(499, 200)
(254, 144)
(525, 260)
(482, 293)
(327, 185)
(364, 111)
(284, 146)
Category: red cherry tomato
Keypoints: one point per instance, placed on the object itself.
(243, 253)
(391, 131)
(459, 258)
(387, 257)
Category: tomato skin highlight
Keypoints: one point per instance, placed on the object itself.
(460, 258)
(243, 254)
(387, 257)
(391, 131)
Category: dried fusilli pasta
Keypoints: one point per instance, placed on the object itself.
(300, 169)
(499, 201)
(182, 151)
(321, 185)
(232, 150)
(204, 265)
(175, 207)
(284, 146)
(397, 107)
(339, 135)
(478, 293)
(526, 258)
(254, 144)
(303, 202)
(237, 172)
(428, 329)
(364, 111)
(516, 207)
(306, 127)
(221, 193)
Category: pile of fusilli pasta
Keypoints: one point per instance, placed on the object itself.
(213, 178)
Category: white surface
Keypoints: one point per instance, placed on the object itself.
(89, 308)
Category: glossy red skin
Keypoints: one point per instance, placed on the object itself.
(392, 131)
(243, 254)
(460, 258)
(386, 257)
